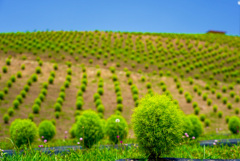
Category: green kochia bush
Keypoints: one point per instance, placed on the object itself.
(162, 121)
(197, 125)
(23, 131)
(46, 129)
(234, 124)
(89, 127)
(187, 126)
(116, 128)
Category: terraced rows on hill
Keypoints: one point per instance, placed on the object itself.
(56, 75)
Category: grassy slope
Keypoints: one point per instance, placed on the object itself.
(163, 45)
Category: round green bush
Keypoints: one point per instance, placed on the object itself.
(13, 78)
(58, 107)
(224, 100)
(73, 131)
(227, 119)
(46, 129)
(38, 70)
(16, 104)
(166, 121)
(60, 100)
(100, 109)
(10, 111)
(23, 131)
(31, 117)
(50, 80)
(55, 67)
(89, 127)
(197, 125)
(229, 106)
(79, 105)
(220, 113)
(237, 98)
(207, 122)
(1, 95)
(83, 87)
(29, 82)
(215, 108)
(36, 108)
(236, 111)
(4, 69)
(57, 114)
(5, 118)
(119, 100)
(9, 84)
(195, 104)
(23, 93)
(196, 110)
(234, 124)
(100, 91)
(202, 117)
(5, 90)
(116, 128)
(34, 78)
(26, 88)
(19, 98)
(119, 107)
(62, 95)
(8, 61)
(209, 102)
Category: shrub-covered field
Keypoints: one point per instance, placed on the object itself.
(55, 78)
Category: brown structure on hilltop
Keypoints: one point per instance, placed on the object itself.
(216, 32)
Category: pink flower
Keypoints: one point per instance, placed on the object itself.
(121, 142)
(117, 136)
(65, 137)
(214, 143)
(193, 137)
(78, 142)
(40, 146)
(66, 132)
(183, 136)
(42, 137)
(81, 139)
(45, 141)
(186, 134)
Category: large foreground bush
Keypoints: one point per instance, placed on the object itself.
(89, 127)
(116, 128)
(23, 131)
(157, 124)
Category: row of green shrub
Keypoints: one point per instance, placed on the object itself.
(19, 98)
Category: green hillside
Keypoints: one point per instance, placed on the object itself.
(57, 75)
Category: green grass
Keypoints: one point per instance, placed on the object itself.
(187, 149)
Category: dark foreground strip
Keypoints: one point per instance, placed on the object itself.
(178, 159)
(229, 142)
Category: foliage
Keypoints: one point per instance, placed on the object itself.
(89, 128)
(46, 129)
(161, 117)
(116, 128)
(234, 124)
(23, 131)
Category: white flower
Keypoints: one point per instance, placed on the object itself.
(117, 120)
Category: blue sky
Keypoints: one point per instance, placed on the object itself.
(169, 16)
